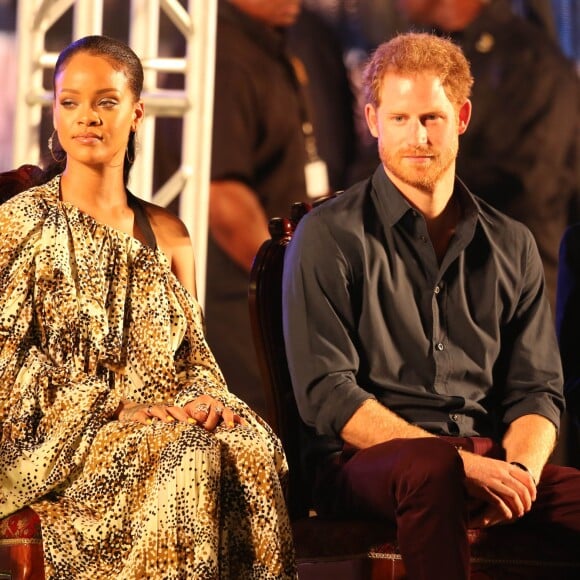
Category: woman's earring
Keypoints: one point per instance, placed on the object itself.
(50, 145)
(130, 150)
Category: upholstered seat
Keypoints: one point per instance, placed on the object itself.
(21, 555)
(357, 549)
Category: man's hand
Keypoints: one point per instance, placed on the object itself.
(499, 492)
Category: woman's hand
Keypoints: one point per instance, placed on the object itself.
(130, 411)
(205, 411)
(210, 412)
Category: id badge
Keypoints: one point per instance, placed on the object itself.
(316, 175)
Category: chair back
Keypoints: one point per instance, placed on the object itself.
(265, 301)
(17, 180)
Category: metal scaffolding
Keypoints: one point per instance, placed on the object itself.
(196, 21)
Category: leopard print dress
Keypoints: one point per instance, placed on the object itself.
(90, 316)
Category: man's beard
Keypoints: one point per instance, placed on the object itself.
(423, 177)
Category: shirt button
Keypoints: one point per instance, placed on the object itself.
(454, 417)
(437, 290)
(440, 346)
(423, 238)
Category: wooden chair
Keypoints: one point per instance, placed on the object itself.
(357, 549)
(17, 180)
(21, 553)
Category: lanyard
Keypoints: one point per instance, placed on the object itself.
(315, 170)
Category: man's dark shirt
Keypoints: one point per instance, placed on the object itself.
(328, 92)
(257, 135)
(461, 348)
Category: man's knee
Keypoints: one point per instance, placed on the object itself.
(408, 464)
(434, 458)
(378, 478)
(430, 465)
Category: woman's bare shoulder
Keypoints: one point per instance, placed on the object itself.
(173, 239)
(166, 225)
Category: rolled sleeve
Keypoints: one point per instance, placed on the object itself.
(534, 383)
(319, 327)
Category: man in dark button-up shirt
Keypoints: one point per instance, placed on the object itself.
(419, 335)
(367, 256)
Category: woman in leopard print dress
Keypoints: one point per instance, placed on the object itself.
(116, 425)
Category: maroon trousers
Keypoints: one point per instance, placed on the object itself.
(419, 484)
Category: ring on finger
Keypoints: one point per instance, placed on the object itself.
(202, 408)
(149, 411)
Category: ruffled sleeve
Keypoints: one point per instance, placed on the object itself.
(41, 378)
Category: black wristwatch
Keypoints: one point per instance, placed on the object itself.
(523, 468)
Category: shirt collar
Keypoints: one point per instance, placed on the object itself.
(392, 206)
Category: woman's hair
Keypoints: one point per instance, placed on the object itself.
(413, 53)
(121, 58)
